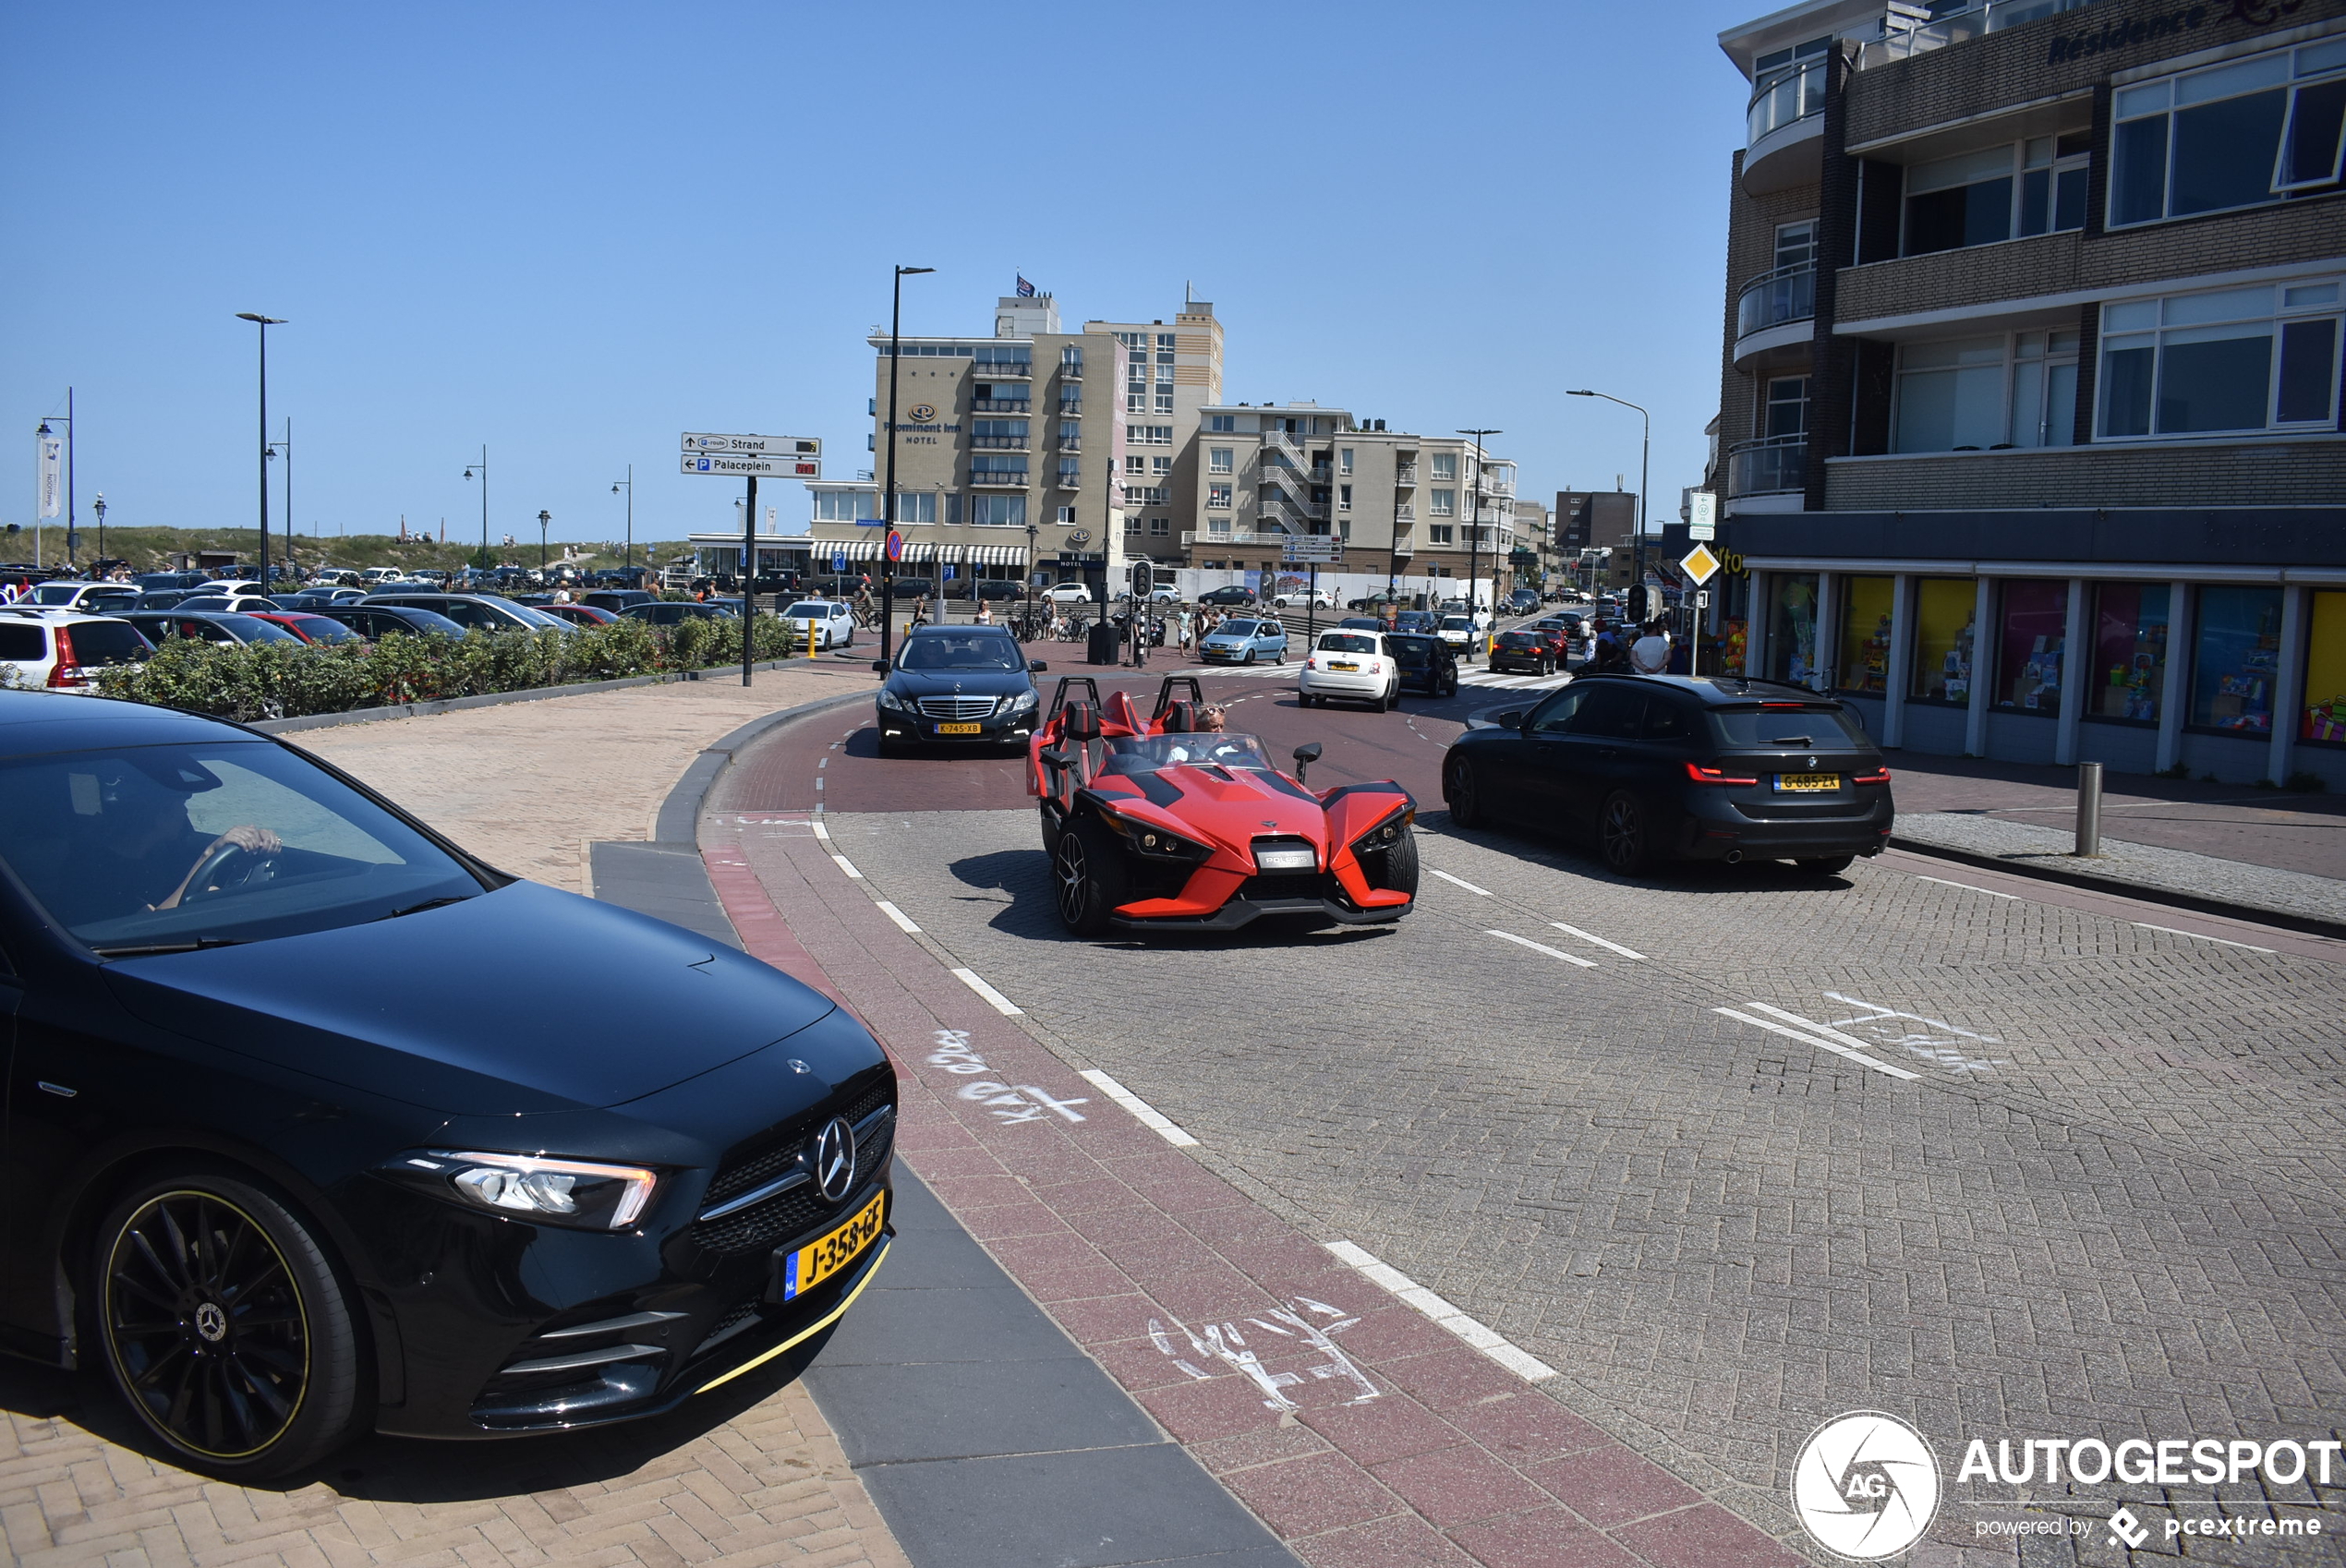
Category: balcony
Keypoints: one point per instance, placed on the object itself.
(1405, 513)
(1405, 476)
(1003, 370)
(999, 444)
(1070, 443)
(1771, 465)
(1777, 310)
(1002, 405)
(1000, 479)
(1992, 16)
(1070, 372)
(1070, 479)
(1072, 406)
(1786, 124)
(1212, 536)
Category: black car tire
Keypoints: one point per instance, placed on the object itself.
(1391, 700)
(1622, 834)
(1450, 684)
(1088, 877)
(1826, 865)
(1462, 793)
(1250, 655)
(1400, 871)
(276, 1387)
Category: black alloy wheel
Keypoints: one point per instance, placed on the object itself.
(226, 1330)
(1459, 787)
(1621, 833)
(1087, 878)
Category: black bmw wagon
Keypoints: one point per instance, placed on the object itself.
(1663, 767)
(292, 1157)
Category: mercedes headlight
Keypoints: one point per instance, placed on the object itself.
(583, 1193)
(891, 700)
(1021, 703)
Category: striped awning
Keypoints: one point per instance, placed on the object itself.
(920, 552)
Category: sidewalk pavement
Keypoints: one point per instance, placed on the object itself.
(2263, 849)
(758, 1477)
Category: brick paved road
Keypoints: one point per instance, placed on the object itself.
(752, 1477)
(2106, 1206)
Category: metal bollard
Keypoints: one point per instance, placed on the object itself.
(2088, 808)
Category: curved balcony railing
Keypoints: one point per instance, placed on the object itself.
(1787, 294)
(1780, 97)
(1770, 465)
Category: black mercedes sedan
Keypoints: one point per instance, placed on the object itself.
(293, 1159)
(959, 685)
(1659, 768)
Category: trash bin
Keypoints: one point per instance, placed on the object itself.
(1106, 643)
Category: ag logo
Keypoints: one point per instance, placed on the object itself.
(1866, 1485)
(922, 413)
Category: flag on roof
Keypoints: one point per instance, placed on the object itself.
(1025, 289)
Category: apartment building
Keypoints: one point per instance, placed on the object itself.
(2030, 403)
(1030, 448)
(1405, 504)
(1589, 522)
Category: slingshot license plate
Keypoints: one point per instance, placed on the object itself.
(1805, 783)
(959, 729)
(814, 1263)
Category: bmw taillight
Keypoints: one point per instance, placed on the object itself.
(1880, 775)
(65, 671)
(1701, 775)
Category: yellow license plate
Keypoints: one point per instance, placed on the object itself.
(811, 1265)
(1792, 781)
(960, 728)
(1333, 666)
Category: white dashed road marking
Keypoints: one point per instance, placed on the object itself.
(1541, 947)
(1969, 889)
(1524, 1365)
(2203, 937)
(903, 922)
(848, 867)
(1585, 937)
(995, 999)
(822, 832)
(1460, 881)
(1822, 1043)
(1142, 1112)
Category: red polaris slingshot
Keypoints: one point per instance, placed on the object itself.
(1155, 826)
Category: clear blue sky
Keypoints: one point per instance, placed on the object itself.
(571, 230)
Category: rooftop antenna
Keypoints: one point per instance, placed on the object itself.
(1189, 292)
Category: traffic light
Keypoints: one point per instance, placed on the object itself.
(1644, 603)
(1143, 579)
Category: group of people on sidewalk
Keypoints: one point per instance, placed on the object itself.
(1652, 652)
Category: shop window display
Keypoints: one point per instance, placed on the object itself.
(1944, 633)
(2129, 671)
(2029, 665)
(1792, 630)
(2236, 659)
(1865, 635)
(2324, 717)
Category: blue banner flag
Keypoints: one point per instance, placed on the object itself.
(1025, 289)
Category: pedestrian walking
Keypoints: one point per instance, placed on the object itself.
(985, 612)
(1651, 654)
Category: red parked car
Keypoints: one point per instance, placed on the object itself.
(583, 614)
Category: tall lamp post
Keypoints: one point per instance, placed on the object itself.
(284, 448)
(1474, 539)
(99, 506)
(628, 484)
(887, 509)
(545, 521)
(264, 323)
(482, 468)
(1645, 459)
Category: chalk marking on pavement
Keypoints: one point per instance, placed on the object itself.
(1542, 947)
(2174, 931)
(1585, 937)
(848, 867)
(994, 998)
(1969, 889)
(1460, 881)
(1821, 1044)
(1828, 1030)
(1142, 1112)
(903, 922)
(1524, 1365)
(820, 831)
(1941, 1052)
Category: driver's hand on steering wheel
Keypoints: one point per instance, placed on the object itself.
(259, 841)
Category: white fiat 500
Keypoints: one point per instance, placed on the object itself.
(1354, 667)
(831, 623)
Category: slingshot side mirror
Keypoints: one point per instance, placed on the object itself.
(1305, 756)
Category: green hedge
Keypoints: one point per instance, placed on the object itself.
(250, 680)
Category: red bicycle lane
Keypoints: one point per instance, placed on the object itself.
(1358, 1429)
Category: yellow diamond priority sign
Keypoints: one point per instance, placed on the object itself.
(1700, 564)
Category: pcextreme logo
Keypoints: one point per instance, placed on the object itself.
(1866, 1485)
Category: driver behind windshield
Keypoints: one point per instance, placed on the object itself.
(991, 652)
(138, 850)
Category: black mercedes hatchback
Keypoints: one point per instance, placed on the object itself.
(292, 1157)
(1660, 767)
(957, 685)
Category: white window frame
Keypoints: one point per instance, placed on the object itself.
(1438, 533)
(1445, 465)
(2121, 329)
(2025, 159)
(2321, 62)
(2039, 352)
(1344, 460)
(1441, 503)
(1218, 497)
(1221, 459)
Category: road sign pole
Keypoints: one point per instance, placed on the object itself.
(749, 576)
(1312, 609)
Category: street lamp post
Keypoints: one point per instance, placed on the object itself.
(264, 323)
(887, 509)
(628, 484)
(1031, 530)
(483, 467)
(99, 506)
(1474, 541)
(1645, 460)
(545, 519)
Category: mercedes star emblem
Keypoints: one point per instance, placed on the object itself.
(211, 1322)
(835, 1159)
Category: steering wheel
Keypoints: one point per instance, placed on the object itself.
(226, 869)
